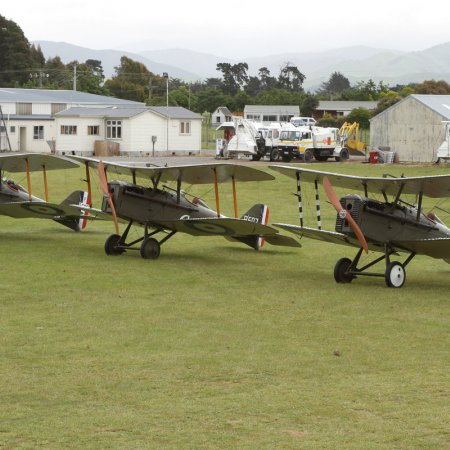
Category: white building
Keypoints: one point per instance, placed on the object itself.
(220, 115)
(41, 120)
(175, 130)
(271, 113)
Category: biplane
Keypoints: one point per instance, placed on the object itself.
(20, 203)
(390, 226)
(165, 210)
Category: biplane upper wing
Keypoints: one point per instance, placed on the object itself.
(191, 174)
(45, 210)
(21, 162)
(436, 186)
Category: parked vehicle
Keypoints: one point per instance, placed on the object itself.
(303, 121)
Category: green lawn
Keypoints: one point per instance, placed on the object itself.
(215, 345)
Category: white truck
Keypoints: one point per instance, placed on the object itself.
(311, 142)
(251, 139)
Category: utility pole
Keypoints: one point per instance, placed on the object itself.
(74, 77)
(166, 76)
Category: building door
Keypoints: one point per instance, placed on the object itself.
(22, 139)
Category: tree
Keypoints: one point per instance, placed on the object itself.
(440, 87)
(360, 115)
(18, 57)
(268, 82)
(291, 78)
(389, 99)
(133, 81)
(308, 104)
(234, 76)
(336, 84)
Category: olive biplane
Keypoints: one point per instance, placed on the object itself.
(165, 210)
(389, 226)
(20, 203)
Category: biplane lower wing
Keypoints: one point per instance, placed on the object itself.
(220, 226)
(436, 248)
(44, 210)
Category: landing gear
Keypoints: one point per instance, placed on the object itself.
(394, 275)
(112, 245)
(150, 248)
(341, 271)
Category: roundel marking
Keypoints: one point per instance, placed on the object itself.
(43, 210)
(210, 228)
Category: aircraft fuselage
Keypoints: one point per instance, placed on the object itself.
(148, 206)
(386, 222)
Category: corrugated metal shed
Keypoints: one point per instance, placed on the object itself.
(413, 127)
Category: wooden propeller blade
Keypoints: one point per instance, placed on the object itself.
(107, 194)
(334, 200)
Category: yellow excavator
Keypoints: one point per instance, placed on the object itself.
(349, 138)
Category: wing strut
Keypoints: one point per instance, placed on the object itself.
(27, 165)
(419, 205)
(233, 181)
(216, 191)
(319, 222)
(44, 174)
(299, 195)
(179, 189)
(88, 181)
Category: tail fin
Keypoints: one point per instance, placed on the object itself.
(75, 198)
(258, 213)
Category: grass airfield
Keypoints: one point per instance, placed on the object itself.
(215, 345)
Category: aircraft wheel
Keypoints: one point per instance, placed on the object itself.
(395, 275)
(340, 271)
(111, 245)
(150, 248)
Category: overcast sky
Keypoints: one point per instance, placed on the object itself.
(235, 28)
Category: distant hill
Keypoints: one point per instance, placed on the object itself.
(110, 59)
(356, 63)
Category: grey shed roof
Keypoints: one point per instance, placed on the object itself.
(127, 111)
(344, 105)
(293, 109)
(438, 103)
(17, 95)
(224, 110)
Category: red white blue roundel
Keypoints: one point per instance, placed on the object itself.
(43, 210)
(208, 228)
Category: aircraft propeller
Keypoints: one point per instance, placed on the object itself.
(107, 194)
(344, 214)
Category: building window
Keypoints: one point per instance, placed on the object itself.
(93, 130)
(217, 119)
(114, 129)
(185, 127)
(68, 129)
(269, 118)
(38, 132)
(12, 129)
(253, 117)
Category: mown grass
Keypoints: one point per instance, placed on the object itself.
(215, 345)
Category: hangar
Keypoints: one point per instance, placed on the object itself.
(413, 128)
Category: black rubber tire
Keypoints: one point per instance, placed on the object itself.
(395, 275)
(274, 155)
(307, 156)
(111, 245)
(340, 269)
(344, 156)
(150, 249)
